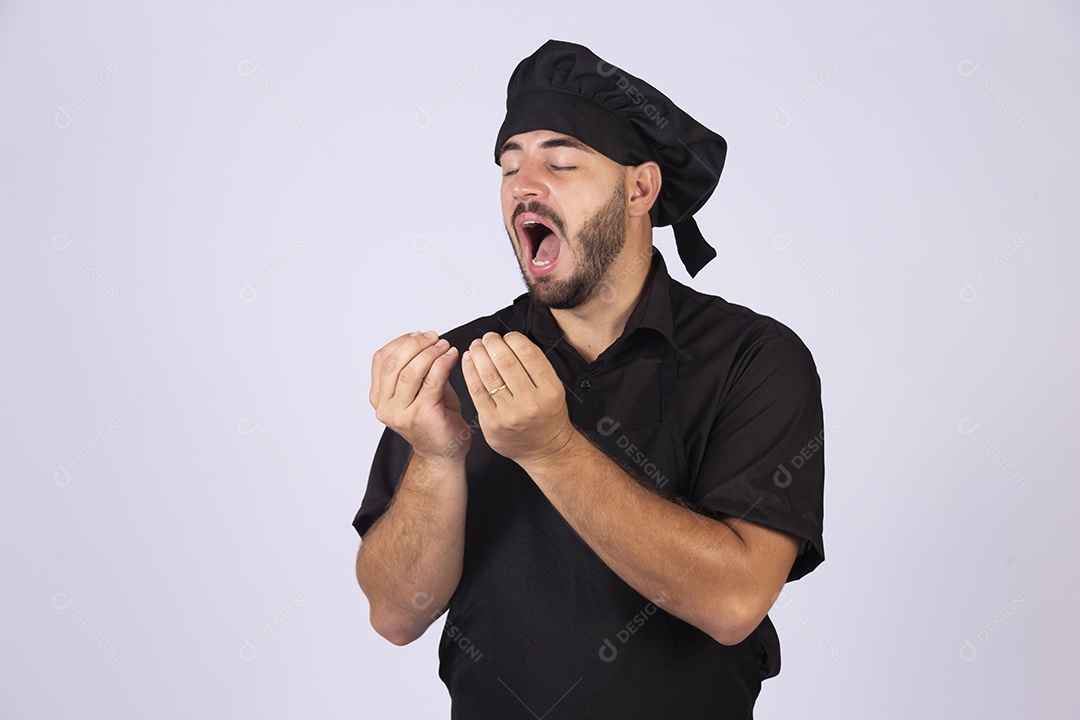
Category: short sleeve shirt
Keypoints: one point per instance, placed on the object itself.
(710, 404)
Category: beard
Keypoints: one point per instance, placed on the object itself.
(597, 245)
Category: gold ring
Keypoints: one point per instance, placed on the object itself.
(492, 392)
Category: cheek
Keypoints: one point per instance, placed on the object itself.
(506, 199)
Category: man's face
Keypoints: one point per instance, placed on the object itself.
(564, 207)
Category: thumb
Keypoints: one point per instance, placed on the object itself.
(450, 398)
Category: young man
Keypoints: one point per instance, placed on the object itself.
(598, 480)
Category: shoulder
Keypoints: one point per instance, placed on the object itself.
(727, 350)
(708, 324)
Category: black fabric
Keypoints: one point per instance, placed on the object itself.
(699, 398)
(566, 88)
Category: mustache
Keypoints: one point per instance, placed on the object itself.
(536, 208)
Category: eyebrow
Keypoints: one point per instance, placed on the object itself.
(567, 142)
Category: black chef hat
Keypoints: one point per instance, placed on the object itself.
(567, 89)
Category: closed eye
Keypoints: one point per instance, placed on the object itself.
(564, 167)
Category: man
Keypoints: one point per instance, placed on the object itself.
(608, 482)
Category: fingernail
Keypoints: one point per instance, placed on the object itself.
(431, 334)
(465, 355)
(414, 334)
(442, 343)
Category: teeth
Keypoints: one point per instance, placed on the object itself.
(541, 263)
(528, 223)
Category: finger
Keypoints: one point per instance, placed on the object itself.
(377, 361)
(433, 387)
(506, 363)
(396, 357)
(533, 360)
(485, 368)
(411, 378)
(482, 400)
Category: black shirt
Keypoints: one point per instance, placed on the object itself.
(699, 398)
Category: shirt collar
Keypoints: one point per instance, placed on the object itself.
(653, 311)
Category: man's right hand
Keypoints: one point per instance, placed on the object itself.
(412, 396)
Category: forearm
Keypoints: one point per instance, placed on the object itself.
(410, 561)
(690, 565)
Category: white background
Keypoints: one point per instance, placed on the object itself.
(211, 217)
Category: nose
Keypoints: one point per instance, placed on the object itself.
(528, 182)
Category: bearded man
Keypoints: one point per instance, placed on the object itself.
(608, 482)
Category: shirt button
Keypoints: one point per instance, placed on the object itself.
(584, 384)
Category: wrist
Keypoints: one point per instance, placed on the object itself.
(557, 457)
(438, 460)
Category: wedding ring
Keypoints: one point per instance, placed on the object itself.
(492, 392)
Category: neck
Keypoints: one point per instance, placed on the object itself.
(593, 326)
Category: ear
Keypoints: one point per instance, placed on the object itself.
(642, 188)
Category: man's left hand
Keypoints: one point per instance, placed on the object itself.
(519, 399)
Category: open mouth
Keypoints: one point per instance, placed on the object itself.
(540, 242)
